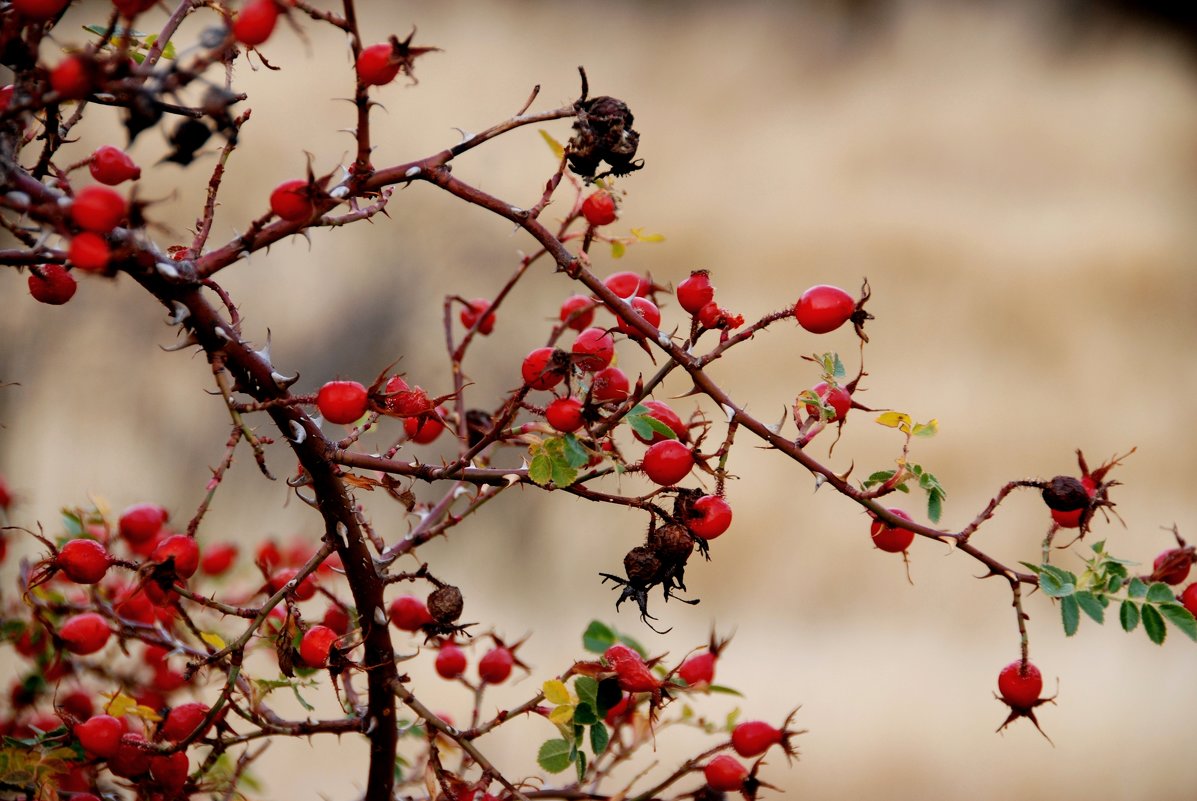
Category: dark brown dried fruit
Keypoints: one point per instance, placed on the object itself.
(445, 604)
(1065, 494)
(672, 543)
(641, 565)
(603, 132)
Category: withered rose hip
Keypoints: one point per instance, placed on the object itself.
(1065, 494)
(671, 543)
(641, 565)
(445, 604)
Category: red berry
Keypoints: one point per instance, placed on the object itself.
(403, 400)
(646, 309)
(131, 8)
(51, 284)
(83, 561)
(543, 368)
(564, 414)
(1189, 598)
(255, 22)
(426, 428)
(724, 774)
(628, 284)
(837, 398)
(753, 738)
(100, 735)
(98, 209)
(631, 671)
(183, 720)
(618, 713)
(111, 165)
(610, 385)
(77, 703)
(315, 645)
(342, 401)
(39, 9)
(130, 759)
(217, 559)
(495, 665)
(292, 200)
(668, 462)
(824, 308)
(304, 590)
(892, 539)
(593, 349)
(698, 669)
(599, 208)
(6, 94)
(1069, 519)
(475, 309)
(696, 291)
(136, 607)
(268, 555)
(142, 522)
(1020, 684)
(183, 550)
(409, 613)
(72, 77)
(376, 65)
(450, 661)
(1179, 571)
(89, 252)
(337, 619)
(85, 634)
(659, 410)
(577, 311)
(170, 770)
(710, 517)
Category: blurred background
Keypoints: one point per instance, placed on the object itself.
(1017, 180)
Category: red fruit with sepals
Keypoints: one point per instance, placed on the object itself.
(51, 284)
(838, 398)
(495, 665)
(98, 209)
(183, 720)
(725, 774)
(628, 284)
(610, 385)
(823, 308)
(543, 368)
(72, 77)
(699, 669)
(1172, 566)
(131, 758)
(184, 552)
(337, 618)
(593, 349)
(100, 735)
(709, 517)
(111, 165)
(577, 312)
(647, 310)
(695, 292)
(475, 310)
(342, 402)
(255, 22)
(564, 414)
(302, 591)
(89, 252)
(424, 429)
(599, 208)
(668, 462)
(315, 645)
(142, 522)
(170, 770)
(217, 559)
(450, 661)
(83, 561)
(1189, 598)
(376, 65)
(1020, 684)
(660, 410)
(292, 200)
(892, 538)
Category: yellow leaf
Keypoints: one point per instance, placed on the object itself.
(553, 144)
(895, 420)
(145, 713)
(643, 237)
(213, 639)
(120, 704)
(555, 692)
(927, 429)
(562, 715)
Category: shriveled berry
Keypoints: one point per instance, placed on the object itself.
(85, 633)
(1065, 494)
(51, 284)
(646, 309)
(564, 414)
(890, 538)
(495, 665)
(710, 516)
(376, 65)
(593, 349)
(659, 410)
(475, 310)
(83, 561)
(609, 385)
(671, 542)
(668, 462)
(642, 565)
(450, 661)
(409, 613)
(698, 669)
(445, 604)
(724, 774)
(342, 402)
(599, 208)
(823, 308)
(543, 368)
(100, 735)
(142, 522)
(425, 428)
(696, 291)
(111, 165)
(89, 252)
(98, 209)
(1020, 684)
(315, 645)
(255, 22)
(183, 550)
(577, 312)
(183, 720)
(217, 559)
(292, 200)
(753, 738)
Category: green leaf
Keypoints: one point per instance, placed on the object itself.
(1137, 588)
(1036, 569)
(1114, 584)
(541, 469)
(1160, 593)
(581, 763)
(1128, 614)
(1071, 613)
(1062, 575)
(934, 506)
(1091, 606)
(927, 429)
(553, 755)
(1051, 585)
(1153, 624)
(880, 477)
(724, 690)
(599, 738)
(1180, 617)
(553, 144)
(72, 522)
(646, 425)
(597, 638)
(575, 454)
(563, 474)
(618, 249)
(585, 714)
(587, 690)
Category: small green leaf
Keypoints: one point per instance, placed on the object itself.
(599, 738)
(1070, 612)
(1062, 576)
(585, 714)
(1114, 584)
(597, 638)
(563, 474)
(934, 506)
(1128, 614)
(575, 454)
(1160, 593)
(724, 690)
(541, 469)
(1180, 617)
(581, 763)
(880, 477)
(1090, 605)
(587, 690)
(1052, 586)
(1153, 624)
(1036, 569)
(554, 755)
(927, 429)
(618, 249)
(1137, 588)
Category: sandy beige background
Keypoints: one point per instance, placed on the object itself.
(1018, 188)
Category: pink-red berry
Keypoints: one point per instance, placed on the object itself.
(424, 429)
(610, 385)
(303, 591)
(753, 738)
(710, 516)
(477, 309)
(98, 209)
(696, 291)
(564, 414)
(100, 735)
(255, 22)
(724, 774)
(342, 402)
(85, 633)
(217, 559)
(593, 349)
(142, 522)
(1172, 566)
(628, 284)
(51, 284)
(1020, 684)
(315, 645)
(183, 720)
(450, 661)
(72, 77)
(495, 665)
(376, 65)
(824, 308)
(83, 561)
(891, 538)
(668, 462)
(170, 770)
(111, 165)
(543, 368)
(599, 208)
(646, 309)
(698, 669)
(184, 552)
(409, 613)
(89, 252)
(837, 398)
(1189, 598)
(577, 312)
(292, 200)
